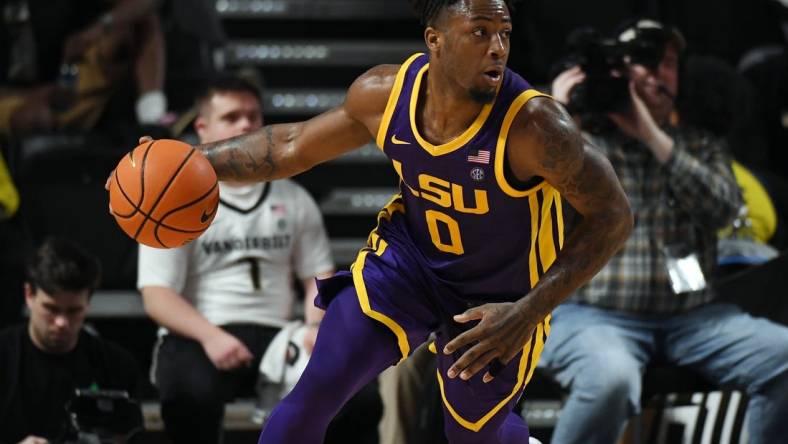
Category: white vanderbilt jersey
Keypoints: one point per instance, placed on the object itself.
(240, 270)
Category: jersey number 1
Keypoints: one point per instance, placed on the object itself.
(254, 272)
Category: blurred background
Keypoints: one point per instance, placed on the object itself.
(79, 86)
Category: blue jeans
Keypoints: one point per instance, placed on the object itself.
(600, 355)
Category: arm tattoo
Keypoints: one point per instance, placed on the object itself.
(243, 158)
(586, 179)
(563, 156)
(268, 157)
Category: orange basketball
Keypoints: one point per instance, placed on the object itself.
(164, 193)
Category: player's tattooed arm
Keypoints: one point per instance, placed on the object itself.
(249, 156)
(284, 150)
(544, 142)
(584, 177)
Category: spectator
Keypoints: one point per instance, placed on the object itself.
(651, 301)
(45, 360)
(222, 298)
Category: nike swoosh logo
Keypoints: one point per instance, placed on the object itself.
(396, 141)
(206, 216)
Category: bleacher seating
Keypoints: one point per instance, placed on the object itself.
(312, 9)
(319, 53)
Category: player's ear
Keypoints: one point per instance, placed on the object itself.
(433, 39)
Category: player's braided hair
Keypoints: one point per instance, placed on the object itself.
(427, 10)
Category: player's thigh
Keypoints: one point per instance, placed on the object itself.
(351, 345)
(402, 305)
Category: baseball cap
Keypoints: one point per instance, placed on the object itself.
(638, 29)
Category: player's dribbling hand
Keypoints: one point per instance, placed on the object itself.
(226, 352)
(501, 333)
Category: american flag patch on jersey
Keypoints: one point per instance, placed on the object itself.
(479, 156)
(278, 210)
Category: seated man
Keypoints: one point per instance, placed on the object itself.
(222, 298)
(651, 302)
(45, 360)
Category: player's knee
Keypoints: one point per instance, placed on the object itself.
(287, 421)
(311, 398)
(366, 400)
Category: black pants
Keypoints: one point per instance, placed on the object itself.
(193, 392)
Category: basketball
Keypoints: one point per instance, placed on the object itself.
(164, 193)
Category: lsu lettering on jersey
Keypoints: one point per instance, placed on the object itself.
(482, 237)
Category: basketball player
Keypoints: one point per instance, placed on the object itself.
(223, 297)
(471, 247)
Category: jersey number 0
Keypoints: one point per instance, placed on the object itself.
(454, 245)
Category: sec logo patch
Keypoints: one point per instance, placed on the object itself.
(477, 173)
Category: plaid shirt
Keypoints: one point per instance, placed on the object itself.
(681, 203)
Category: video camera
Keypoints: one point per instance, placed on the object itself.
(102, 416)
(605, 60)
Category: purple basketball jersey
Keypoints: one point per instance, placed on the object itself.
(480, 236)
(458, 235)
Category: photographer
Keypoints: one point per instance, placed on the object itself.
(651, 302)
(47, 359)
